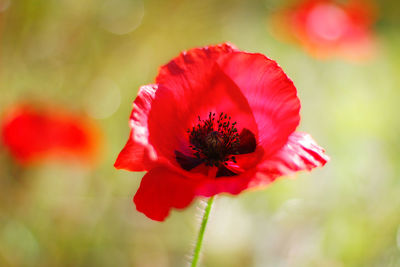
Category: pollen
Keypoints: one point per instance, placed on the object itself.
(215, 140)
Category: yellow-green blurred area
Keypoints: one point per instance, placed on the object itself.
(92, 56)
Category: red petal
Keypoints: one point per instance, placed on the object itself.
(195, 90)
(174, 74)
(161, 190)
(32, 134)
(300, 153)
(246, 173)
(233, 184)
(270, 93)
(331, 28)
(246, 161)
(141, 109)
(133, 157)
(137, 153)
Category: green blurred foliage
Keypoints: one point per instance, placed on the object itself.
(92, 56)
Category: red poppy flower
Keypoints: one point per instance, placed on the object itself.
(328, 28)
(217, 120)
(32, 134)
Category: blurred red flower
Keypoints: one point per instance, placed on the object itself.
(216, 120)
(330, 28)
(32, 134)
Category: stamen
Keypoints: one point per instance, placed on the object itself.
(215, 142)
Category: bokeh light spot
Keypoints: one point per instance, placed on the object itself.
(102, 98)
(121, 16)
(4, 5)
(327, 22)
(18, 241)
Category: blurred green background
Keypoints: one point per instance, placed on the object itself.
(92, 56)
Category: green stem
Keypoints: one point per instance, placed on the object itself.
(199, 242)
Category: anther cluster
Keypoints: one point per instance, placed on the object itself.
(215, 141)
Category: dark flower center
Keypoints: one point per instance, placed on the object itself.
(215, 142)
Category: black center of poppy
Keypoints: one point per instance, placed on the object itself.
(215, 142)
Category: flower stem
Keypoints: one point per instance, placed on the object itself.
(199, 242)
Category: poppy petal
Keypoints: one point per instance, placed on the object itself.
(225, 184)
(196, 60)
(33, 134)
(246, 161)
(270, 94)
(133, 157)
(300, 153)
(137, 153)
(327, 28)
(176, 109)
(161, 190)
(139, 116)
